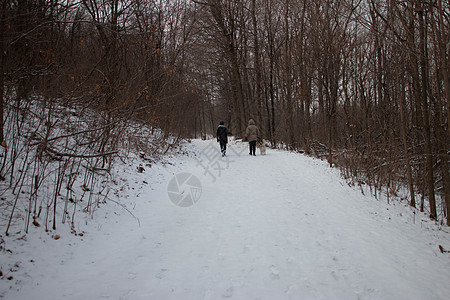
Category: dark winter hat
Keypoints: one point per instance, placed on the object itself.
(222, 123)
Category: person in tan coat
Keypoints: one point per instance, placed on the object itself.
(252, 135)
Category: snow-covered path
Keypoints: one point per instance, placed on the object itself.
(280, 226)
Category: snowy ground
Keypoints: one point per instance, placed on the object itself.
(280, 226)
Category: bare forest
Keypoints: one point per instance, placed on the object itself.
(363, 84)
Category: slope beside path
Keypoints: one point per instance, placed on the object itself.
(279, 226)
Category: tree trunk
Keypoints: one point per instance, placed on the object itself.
(426, 118)
(2, 69)
(230, 49)
(442, 36)
(289, 113)
(258, 74)
(404, 139)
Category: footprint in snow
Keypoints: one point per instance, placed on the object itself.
(127, 294)
(274, 273)
(335, 276)
(161, 274)
(228, 293)
(291, 259)
(247, 249)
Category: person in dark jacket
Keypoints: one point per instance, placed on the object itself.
(252, 134)
(222, 137)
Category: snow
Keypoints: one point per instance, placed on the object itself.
(279, 226)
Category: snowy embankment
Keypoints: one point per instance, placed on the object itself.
(280, 226)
